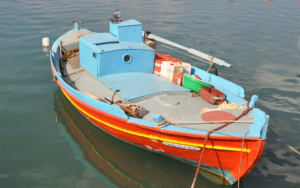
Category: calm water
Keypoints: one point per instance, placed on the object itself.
(45, 142)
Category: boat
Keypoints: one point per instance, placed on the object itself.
(110, 79)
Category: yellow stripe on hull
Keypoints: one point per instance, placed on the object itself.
(155, 137)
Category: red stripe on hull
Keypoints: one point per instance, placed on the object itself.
(220, 159)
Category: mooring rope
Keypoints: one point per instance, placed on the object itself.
(241, 158)
(211, 63)
(284, 142)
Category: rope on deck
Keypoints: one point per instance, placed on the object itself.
(162, 124)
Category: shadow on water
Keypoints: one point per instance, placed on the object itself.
(118, 163)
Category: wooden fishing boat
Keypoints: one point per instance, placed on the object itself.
(151, 112)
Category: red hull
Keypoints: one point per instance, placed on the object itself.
(222, 153)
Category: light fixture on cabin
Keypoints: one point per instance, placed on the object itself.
(116, 16)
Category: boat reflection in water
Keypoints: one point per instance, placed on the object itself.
(117, 162)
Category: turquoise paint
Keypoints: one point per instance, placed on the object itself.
(112, 62)
(109, 47)
(127, 30)
(261, 119)
(157, 118)
(110, 52)
(136, 45)
(253, 100)
(265, 126)
(99, 38)
(92, 47)
(87, 60)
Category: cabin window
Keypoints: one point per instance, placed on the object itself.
(126, 58)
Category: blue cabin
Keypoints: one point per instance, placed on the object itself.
(122, 50)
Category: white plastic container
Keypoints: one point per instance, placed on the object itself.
(45, 42)
(187, 68)
(175, 73)
(164, 69)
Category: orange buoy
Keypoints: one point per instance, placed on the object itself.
(157, 66)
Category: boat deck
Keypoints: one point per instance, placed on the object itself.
(135, 85)
(174, 101)
(188, 110)
(83, 81)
